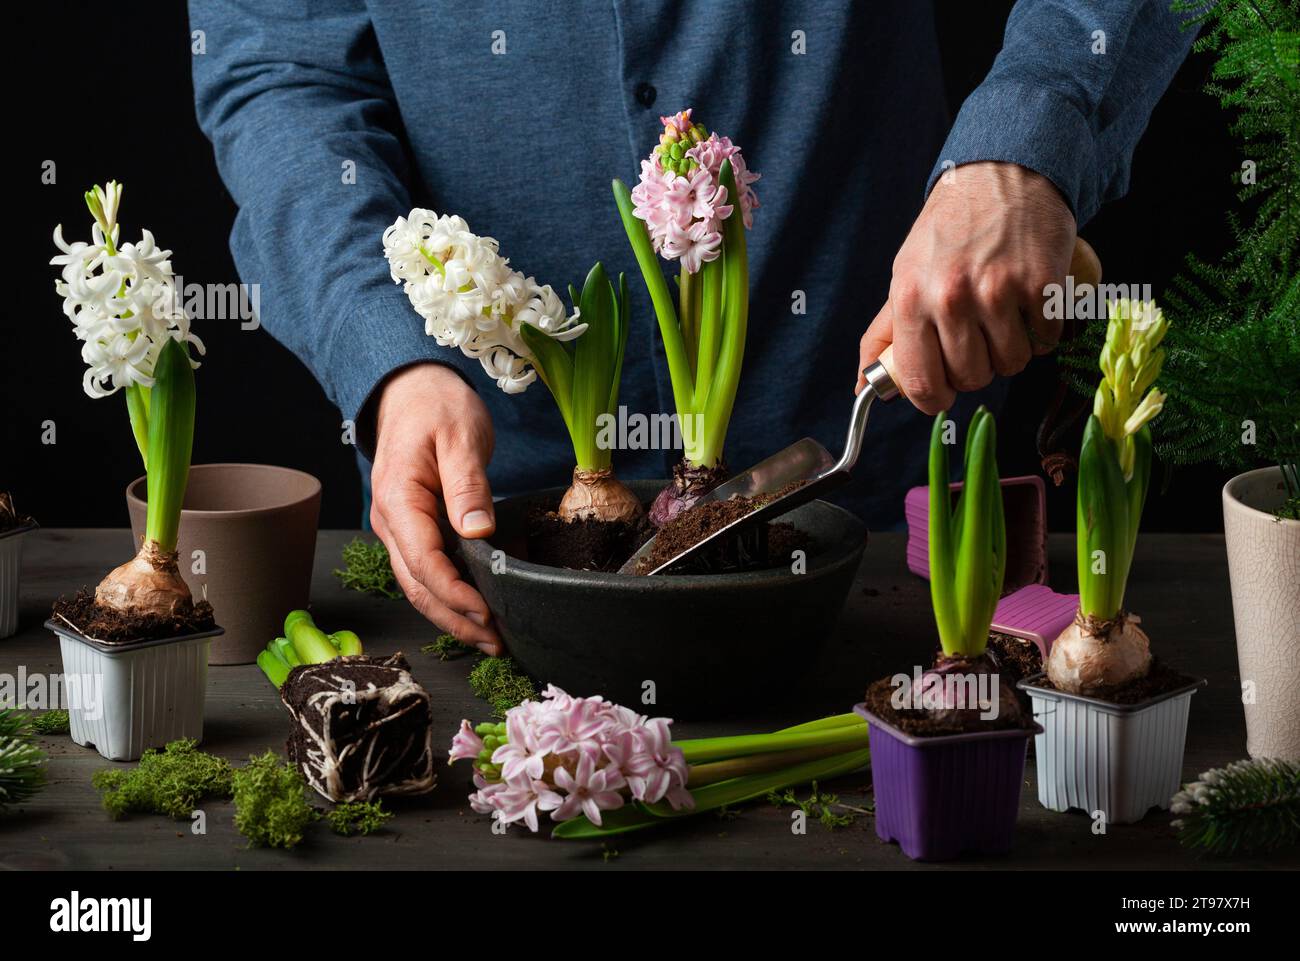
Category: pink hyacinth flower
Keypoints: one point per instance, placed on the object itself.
(697, 195)
(589, 790)
(695, 246)
(681, 121)
(522, 799)
(466, 745)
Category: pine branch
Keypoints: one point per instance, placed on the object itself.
(1246, 806)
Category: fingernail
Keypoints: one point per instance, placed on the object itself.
(477, 520)
(477, 618)
(489, 649)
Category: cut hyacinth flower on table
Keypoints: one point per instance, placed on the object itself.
(598, 768)
(470, 298)
(124, 308)
(683, 209)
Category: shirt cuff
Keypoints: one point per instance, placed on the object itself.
(384, 336)
(1033, 126)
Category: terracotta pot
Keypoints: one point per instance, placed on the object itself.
(11, 566)
(1264, 567)
(255, 526)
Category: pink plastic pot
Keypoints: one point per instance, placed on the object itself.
(1037, 614)
(1024, 502)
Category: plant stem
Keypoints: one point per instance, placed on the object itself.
(674, 346)
(715, 771)
(310, 642)
(137, 409)
(276, 671)
(171, 443)
(710, 326)
(701, 750)
(718, 405)
(688, 291)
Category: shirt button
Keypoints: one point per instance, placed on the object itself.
(645, 94)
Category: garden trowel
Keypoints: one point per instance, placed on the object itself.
(802, 472)
(806, 470)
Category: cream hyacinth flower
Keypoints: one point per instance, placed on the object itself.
(122, 302)
(470, 298)
(1130, 363)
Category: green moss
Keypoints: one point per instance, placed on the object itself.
(499, 682)
(446, 648)
(171, 782)
(51, 722)
(271, 808)
(357, 817)
(367, 568)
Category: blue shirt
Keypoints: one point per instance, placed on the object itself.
(331, 119)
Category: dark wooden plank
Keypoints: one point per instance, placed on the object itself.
(1179, 585)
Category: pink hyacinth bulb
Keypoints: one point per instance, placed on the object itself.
(680, 196)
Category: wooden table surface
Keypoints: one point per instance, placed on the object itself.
(1179, 585)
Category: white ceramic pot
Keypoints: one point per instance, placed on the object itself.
(123, 699)
(1264, 567)
(1119, 759)
(11, 565)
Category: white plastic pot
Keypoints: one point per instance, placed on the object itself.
(1119, 759)
(123, 699)
(1264, 567)
(11, 565)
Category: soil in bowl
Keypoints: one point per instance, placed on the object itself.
(114, 627)
(1159, 680)
(943, 721)
(584, 545)
(771, 545)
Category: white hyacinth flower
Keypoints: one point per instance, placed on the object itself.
(470, 298)
(122, 302)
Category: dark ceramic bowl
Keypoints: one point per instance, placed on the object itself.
(702, 645)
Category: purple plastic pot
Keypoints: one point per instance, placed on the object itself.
(1024, 503)
(941, 797)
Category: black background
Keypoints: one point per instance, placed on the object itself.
(108, 96)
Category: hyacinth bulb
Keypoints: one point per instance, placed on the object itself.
(600, 496)
(1091, 657)
(149, 584)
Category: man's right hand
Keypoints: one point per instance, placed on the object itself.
(433, 442)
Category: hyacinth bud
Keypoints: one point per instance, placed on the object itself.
(494, 736)
(1130, 363)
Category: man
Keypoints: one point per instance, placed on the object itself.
(331, 119)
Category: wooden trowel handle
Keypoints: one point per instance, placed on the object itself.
(1085, 268)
